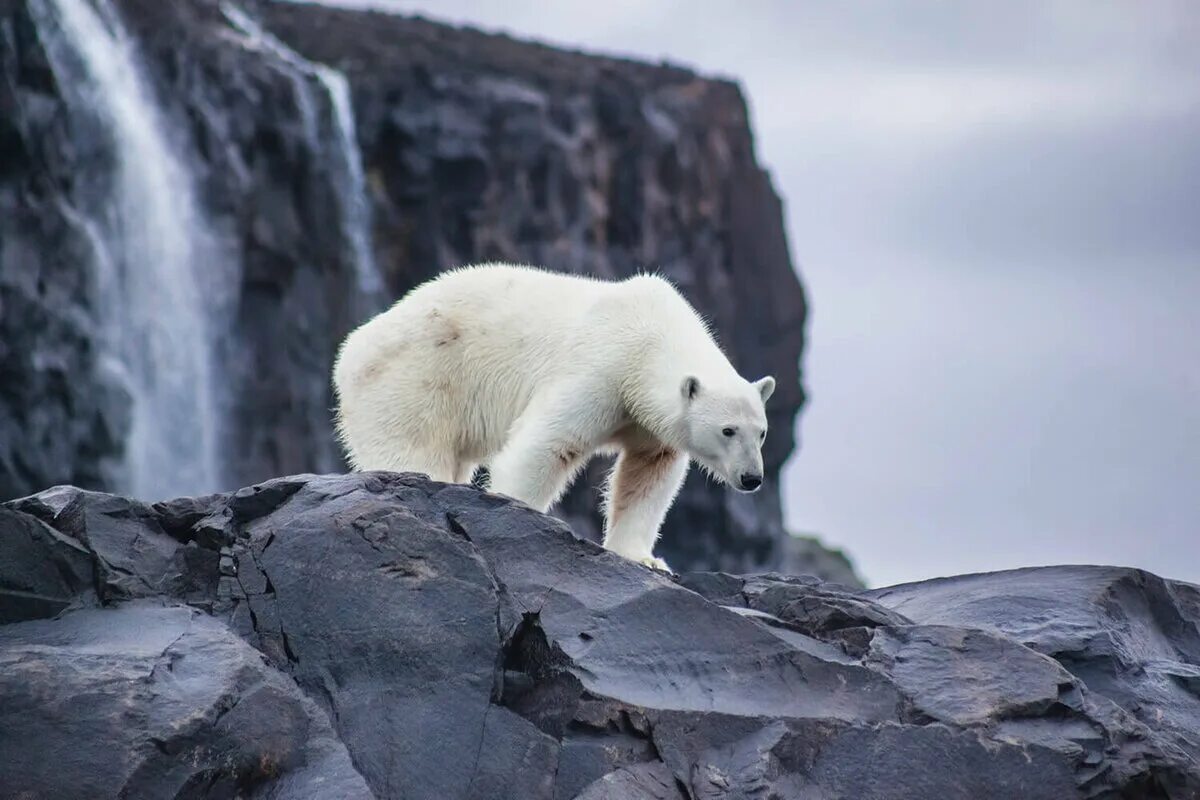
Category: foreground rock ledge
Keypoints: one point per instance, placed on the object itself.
(379, 635)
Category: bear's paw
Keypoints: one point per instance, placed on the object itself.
(654, 562)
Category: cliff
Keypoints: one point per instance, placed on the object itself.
(197, 201)
(381, 636)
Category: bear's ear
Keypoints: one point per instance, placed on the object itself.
(766, 387)
(690, 387)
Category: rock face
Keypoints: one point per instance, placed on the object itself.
(379, 635)
(321, 202)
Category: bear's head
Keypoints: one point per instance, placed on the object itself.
(726, 424)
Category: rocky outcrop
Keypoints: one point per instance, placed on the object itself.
(379, 635)
(463, 147)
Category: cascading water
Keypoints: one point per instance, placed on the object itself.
(150, 245)
(356, 211)
(348, 179)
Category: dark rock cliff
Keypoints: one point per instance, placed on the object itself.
(472, 147)
(381, 636)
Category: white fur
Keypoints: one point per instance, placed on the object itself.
(531, 373)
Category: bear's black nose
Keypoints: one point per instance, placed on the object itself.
(751, 482)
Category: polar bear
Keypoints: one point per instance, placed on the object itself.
(531, 372)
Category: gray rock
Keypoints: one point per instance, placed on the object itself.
(42, 570)
(1130, 636)
(650, 781)
(380, 635)
(142, 700)
(968, 677)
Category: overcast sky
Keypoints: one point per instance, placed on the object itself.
(995, 207)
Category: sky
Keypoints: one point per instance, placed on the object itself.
(995, 209)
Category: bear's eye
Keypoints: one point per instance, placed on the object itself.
(762, 437)
(728, 431)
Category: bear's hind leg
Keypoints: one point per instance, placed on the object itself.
(464, 471)
(641, 489)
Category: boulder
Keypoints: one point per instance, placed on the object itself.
(381, 635)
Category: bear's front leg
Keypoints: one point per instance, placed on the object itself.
(642, 487)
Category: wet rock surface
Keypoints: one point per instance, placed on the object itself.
(380, 635)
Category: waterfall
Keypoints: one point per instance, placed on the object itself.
(348, 179)
(356, 211)
(149, 245)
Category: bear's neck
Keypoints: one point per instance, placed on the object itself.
(654, 395)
